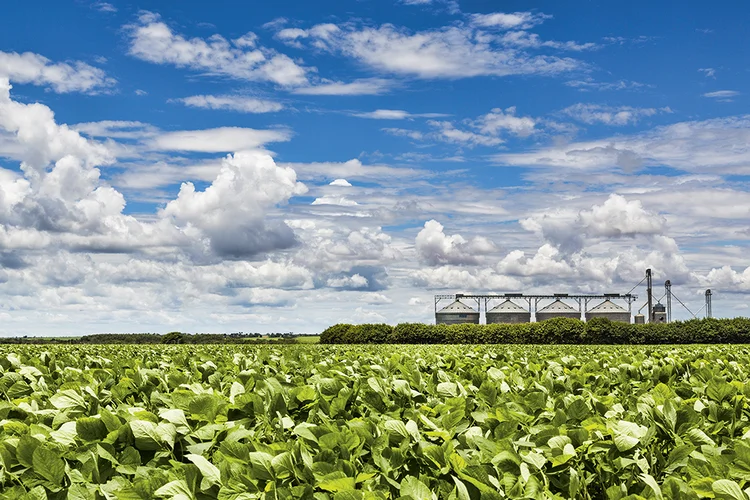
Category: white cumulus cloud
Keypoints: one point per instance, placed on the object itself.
(75, 76)
(435, 248)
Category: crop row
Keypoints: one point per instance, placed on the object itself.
(374, 422)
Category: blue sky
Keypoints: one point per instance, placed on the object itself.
(284, 166)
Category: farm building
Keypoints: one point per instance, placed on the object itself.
(508, 312)
(456, 313)
(557, 309)
(609, 310)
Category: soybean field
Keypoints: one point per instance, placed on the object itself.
(374, 422)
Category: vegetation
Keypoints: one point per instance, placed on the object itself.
(553, 331)
(169, 338)
(374, 422)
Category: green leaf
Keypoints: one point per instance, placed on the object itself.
(627, 434)
(416, 489)
(151, 436)
(68, 400)
(90, 429)
(719, 389)
(337, 484)
(211, 473)
(175, 490)
(728, 489)
(262, 464)
(49, 465)
(651, 483)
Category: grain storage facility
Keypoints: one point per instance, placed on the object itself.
(508, 312)
(456, 313)
(660, 313)
(609, 310)
(557, 309)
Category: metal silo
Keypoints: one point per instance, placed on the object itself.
(508, 312)
(609, 310)
(660, 313)
(557, 309)
(456, 313)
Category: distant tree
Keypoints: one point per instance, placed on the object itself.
(173, 338)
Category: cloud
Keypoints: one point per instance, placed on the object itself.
(104, 7)
(711, 146)
(448, 133)
(231, 103)
(117, 129)
(74, 76)
(218, 140)
(591, 84)
(526, 40)
(488, 128)
(341, 201)
(435, 248)
(462, 279)
(609, 115)
(243, 59)
(723, 95)
(546, 261)
(395, 114)
(364, 86)
(230, 212)
(354, 169)
(354, 282)
(498, 120)
(708, 72)
(449, 52)
(615, 218)
(340, 183)
(515, 20)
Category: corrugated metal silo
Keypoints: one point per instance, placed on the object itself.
(557, 309)
(508, 312)
(609, 310)
(456, 313)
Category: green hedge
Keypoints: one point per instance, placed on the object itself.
(553, 331)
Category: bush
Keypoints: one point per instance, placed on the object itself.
(552, 331)
(335, 334)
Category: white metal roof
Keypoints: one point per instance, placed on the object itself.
(507, 307)
(608, 306)
(457, 306)
(558, 306)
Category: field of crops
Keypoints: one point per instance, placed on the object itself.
(374, 422)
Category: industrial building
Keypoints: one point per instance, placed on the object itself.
(660, 313)
(456, 313)
(610, 311)
(508, 312)
(557, 309)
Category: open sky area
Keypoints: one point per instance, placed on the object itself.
(283, 166)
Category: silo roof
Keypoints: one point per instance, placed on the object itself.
(508, 307)
(457, 306)
(558, 306)
(608, 306)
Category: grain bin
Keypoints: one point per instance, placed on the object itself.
(660, 313)
(456, 313)
(557, 309)
(508, 312)
(609, 310)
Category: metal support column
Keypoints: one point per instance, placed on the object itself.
(668, 290)
(649, 292)
(709, 313)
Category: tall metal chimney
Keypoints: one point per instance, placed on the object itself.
(668, 290)
(708, 304)
(649, 291)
